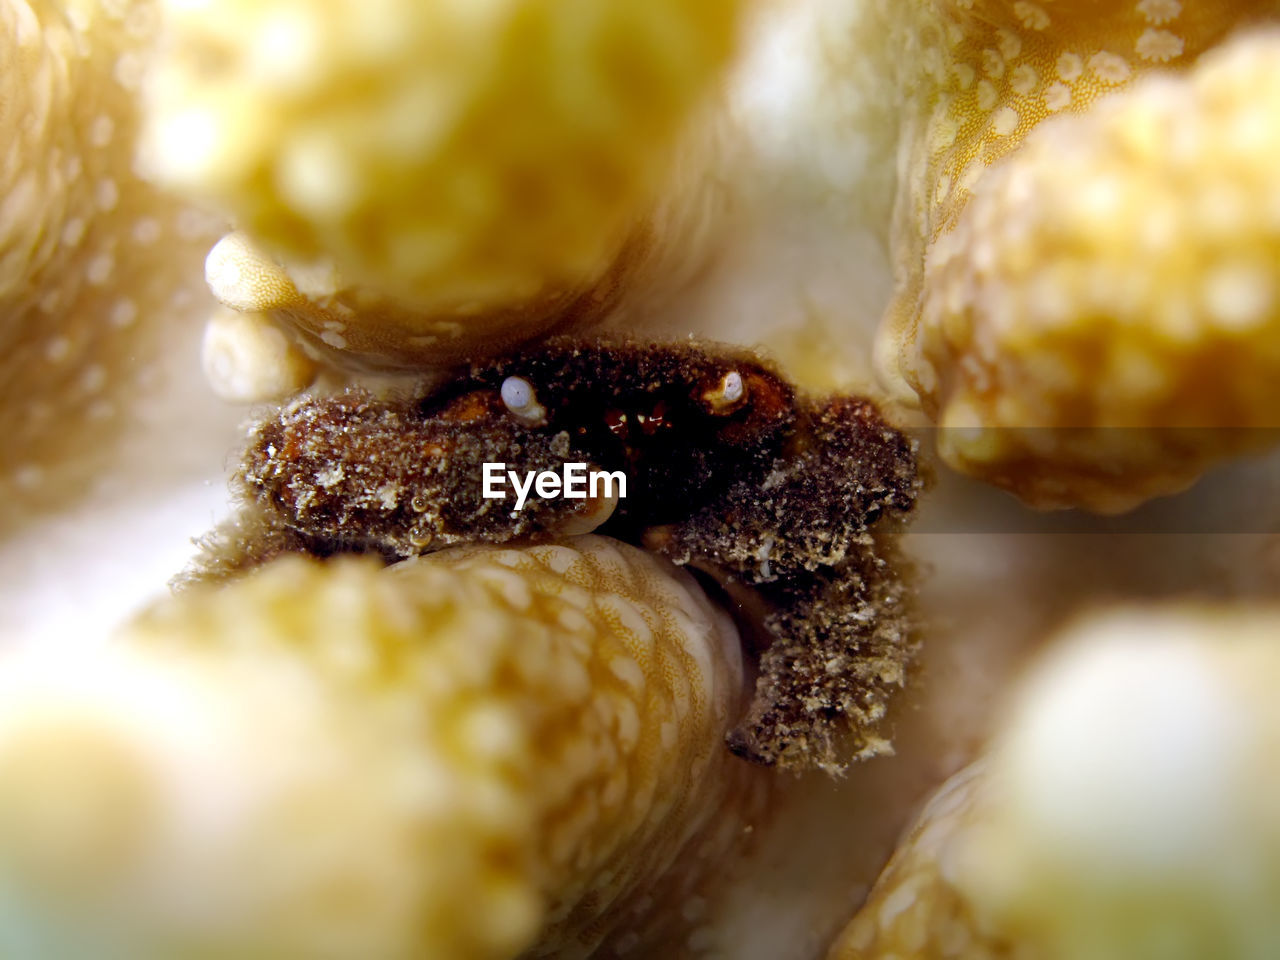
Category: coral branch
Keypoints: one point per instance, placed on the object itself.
(439, 179)
(1122, 812)
(1086, 240)
(439, 759)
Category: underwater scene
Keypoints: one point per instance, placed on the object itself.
(647, 479)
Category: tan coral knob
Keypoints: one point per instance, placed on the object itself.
(1125, 810)
(440, 759)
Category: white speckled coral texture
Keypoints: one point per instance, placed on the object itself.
(89, 254)
(1124, 809)
(432, 181)
(1085, 240)
(100, 306)
(465, 756)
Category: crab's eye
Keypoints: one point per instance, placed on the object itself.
(616, 421)
(727, 394)
(655, 421)
(519, 397)
(732, 387)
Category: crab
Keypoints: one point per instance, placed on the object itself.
(785, 505)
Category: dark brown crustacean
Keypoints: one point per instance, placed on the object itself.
(789, 505)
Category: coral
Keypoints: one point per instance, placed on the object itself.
(1123, 811)
(465, 756)
(93, 262)
(247, 358)
(431, 180)
(230, 722)
(1085, 241)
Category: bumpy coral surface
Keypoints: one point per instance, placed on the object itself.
(1070, 261)
(466, 756)
(434, 175)
(89, 255)
(247, 358)
(1124, 811)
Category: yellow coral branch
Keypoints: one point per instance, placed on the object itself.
(420, 170)
(1122, 812)
(94, 263)
(441, 760)
(1073, 258)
